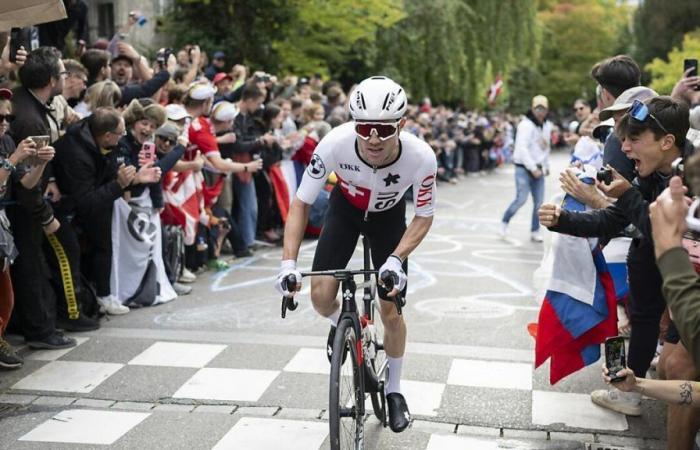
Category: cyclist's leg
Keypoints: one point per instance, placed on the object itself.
(384, 231)
(333, 251)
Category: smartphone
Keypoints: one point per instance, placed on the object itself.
(41, 141)
(15, 43)
(691, 63)
(148, 152)
(615, 359)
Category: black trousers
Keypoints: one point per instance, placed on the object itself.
(646, 304)
(62, 250)
(98, 258)
(34, 314)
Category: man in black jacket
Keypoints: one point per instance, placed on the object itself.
(653, 137)
(92, 177)
(35, 311)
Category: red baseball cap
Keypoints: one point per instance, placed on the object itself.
(5, 94)
(219, 77)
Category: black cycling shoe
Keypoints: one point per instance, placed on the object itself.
(399, 417)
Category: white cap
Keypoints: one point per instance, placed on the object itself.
(176, 112)
(224, 111)
(201, 91)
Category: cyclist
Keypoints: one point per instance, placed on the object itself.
(375, 163)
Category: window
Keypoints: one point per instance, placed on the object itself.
(105, 20)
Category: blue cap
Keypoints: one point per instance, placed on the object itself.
(219, 55)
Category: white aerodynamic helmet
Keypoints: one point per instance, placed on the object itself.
(378, 98)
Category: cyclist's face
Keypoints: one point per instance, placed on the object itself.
(378, 152)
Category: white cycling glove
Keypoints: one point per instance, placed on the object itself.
(288, 267)
(394, 264)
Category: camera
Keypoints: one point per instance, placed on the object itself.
(162, 56)
(264, 77)
(605, 175)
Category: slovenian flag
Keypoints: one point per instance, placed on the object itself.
(579, 308)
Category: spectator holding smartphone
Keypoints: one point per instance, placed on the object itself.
(42, 77)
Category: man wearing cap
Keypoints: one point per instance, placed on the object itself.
(223, 83)
(123, 66)
(531, 159)
(218, 64)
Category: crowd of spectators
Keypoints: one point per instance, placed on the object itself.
(124, 178)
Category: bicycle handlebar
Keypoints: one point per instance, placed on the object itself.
(389, 279)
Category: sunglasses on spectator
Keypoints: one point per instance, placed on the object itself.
(640, 112)
(384, 130)
(167, 140)
(7, 118)
(579, 108)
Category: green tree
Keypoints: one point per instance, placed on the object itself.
(666, 72)
(659, 25)
(323, 33)
(576, 34)
(445, 49)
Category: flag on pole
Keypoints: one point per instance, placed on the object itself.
(495, 90)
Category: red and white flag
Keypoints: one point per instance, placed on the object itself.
(184, 202)
(495, 90)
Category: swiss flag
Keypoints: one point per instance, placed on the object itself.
(356, 195)
(183, 197)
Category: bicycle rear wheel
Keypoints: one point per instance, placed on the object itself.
(378, 363)
(346, 409)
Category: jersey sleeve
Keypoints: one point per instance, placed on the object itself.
(424, 191)
(317, 172)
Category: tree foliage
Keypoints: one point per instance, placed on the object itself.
(659, 26)
(446, 49)
(576, 34)
(666, 72)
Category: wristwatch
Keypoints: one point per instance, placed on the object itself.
(7, 165)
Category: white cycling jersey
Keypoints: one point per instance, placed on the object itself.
(370, 188)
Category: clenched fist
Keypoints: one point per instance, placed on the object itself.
(549, 214)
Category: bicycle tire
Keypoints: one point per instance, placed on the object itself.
(346, 423)
(375, 363)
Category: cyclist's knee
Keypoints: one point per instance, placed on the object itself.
(323, 291)
(390, 316)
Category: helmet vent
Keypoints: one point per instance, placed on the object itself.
(362, 99)
(378, 78)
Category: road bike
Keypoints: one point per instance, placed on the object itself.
(358, 364)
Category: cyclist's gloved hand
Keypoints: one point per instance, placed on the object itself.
(394, 264)
(289, 267)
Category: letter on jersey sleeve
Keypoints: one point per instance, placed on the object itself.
(316, 173)
(424, 192)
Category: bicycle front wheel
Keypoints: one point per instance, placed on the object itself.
(346, 409)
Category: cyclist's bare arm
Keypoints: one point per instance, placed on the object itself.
(413, 236)
(294, 229)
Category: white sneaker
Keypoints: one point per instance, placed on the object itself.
(112, 306)
(536, 237)
(187, 276)
(503, 230)
(628, 403)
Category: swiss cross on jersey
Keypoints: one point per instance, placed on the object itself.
(357, 196)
